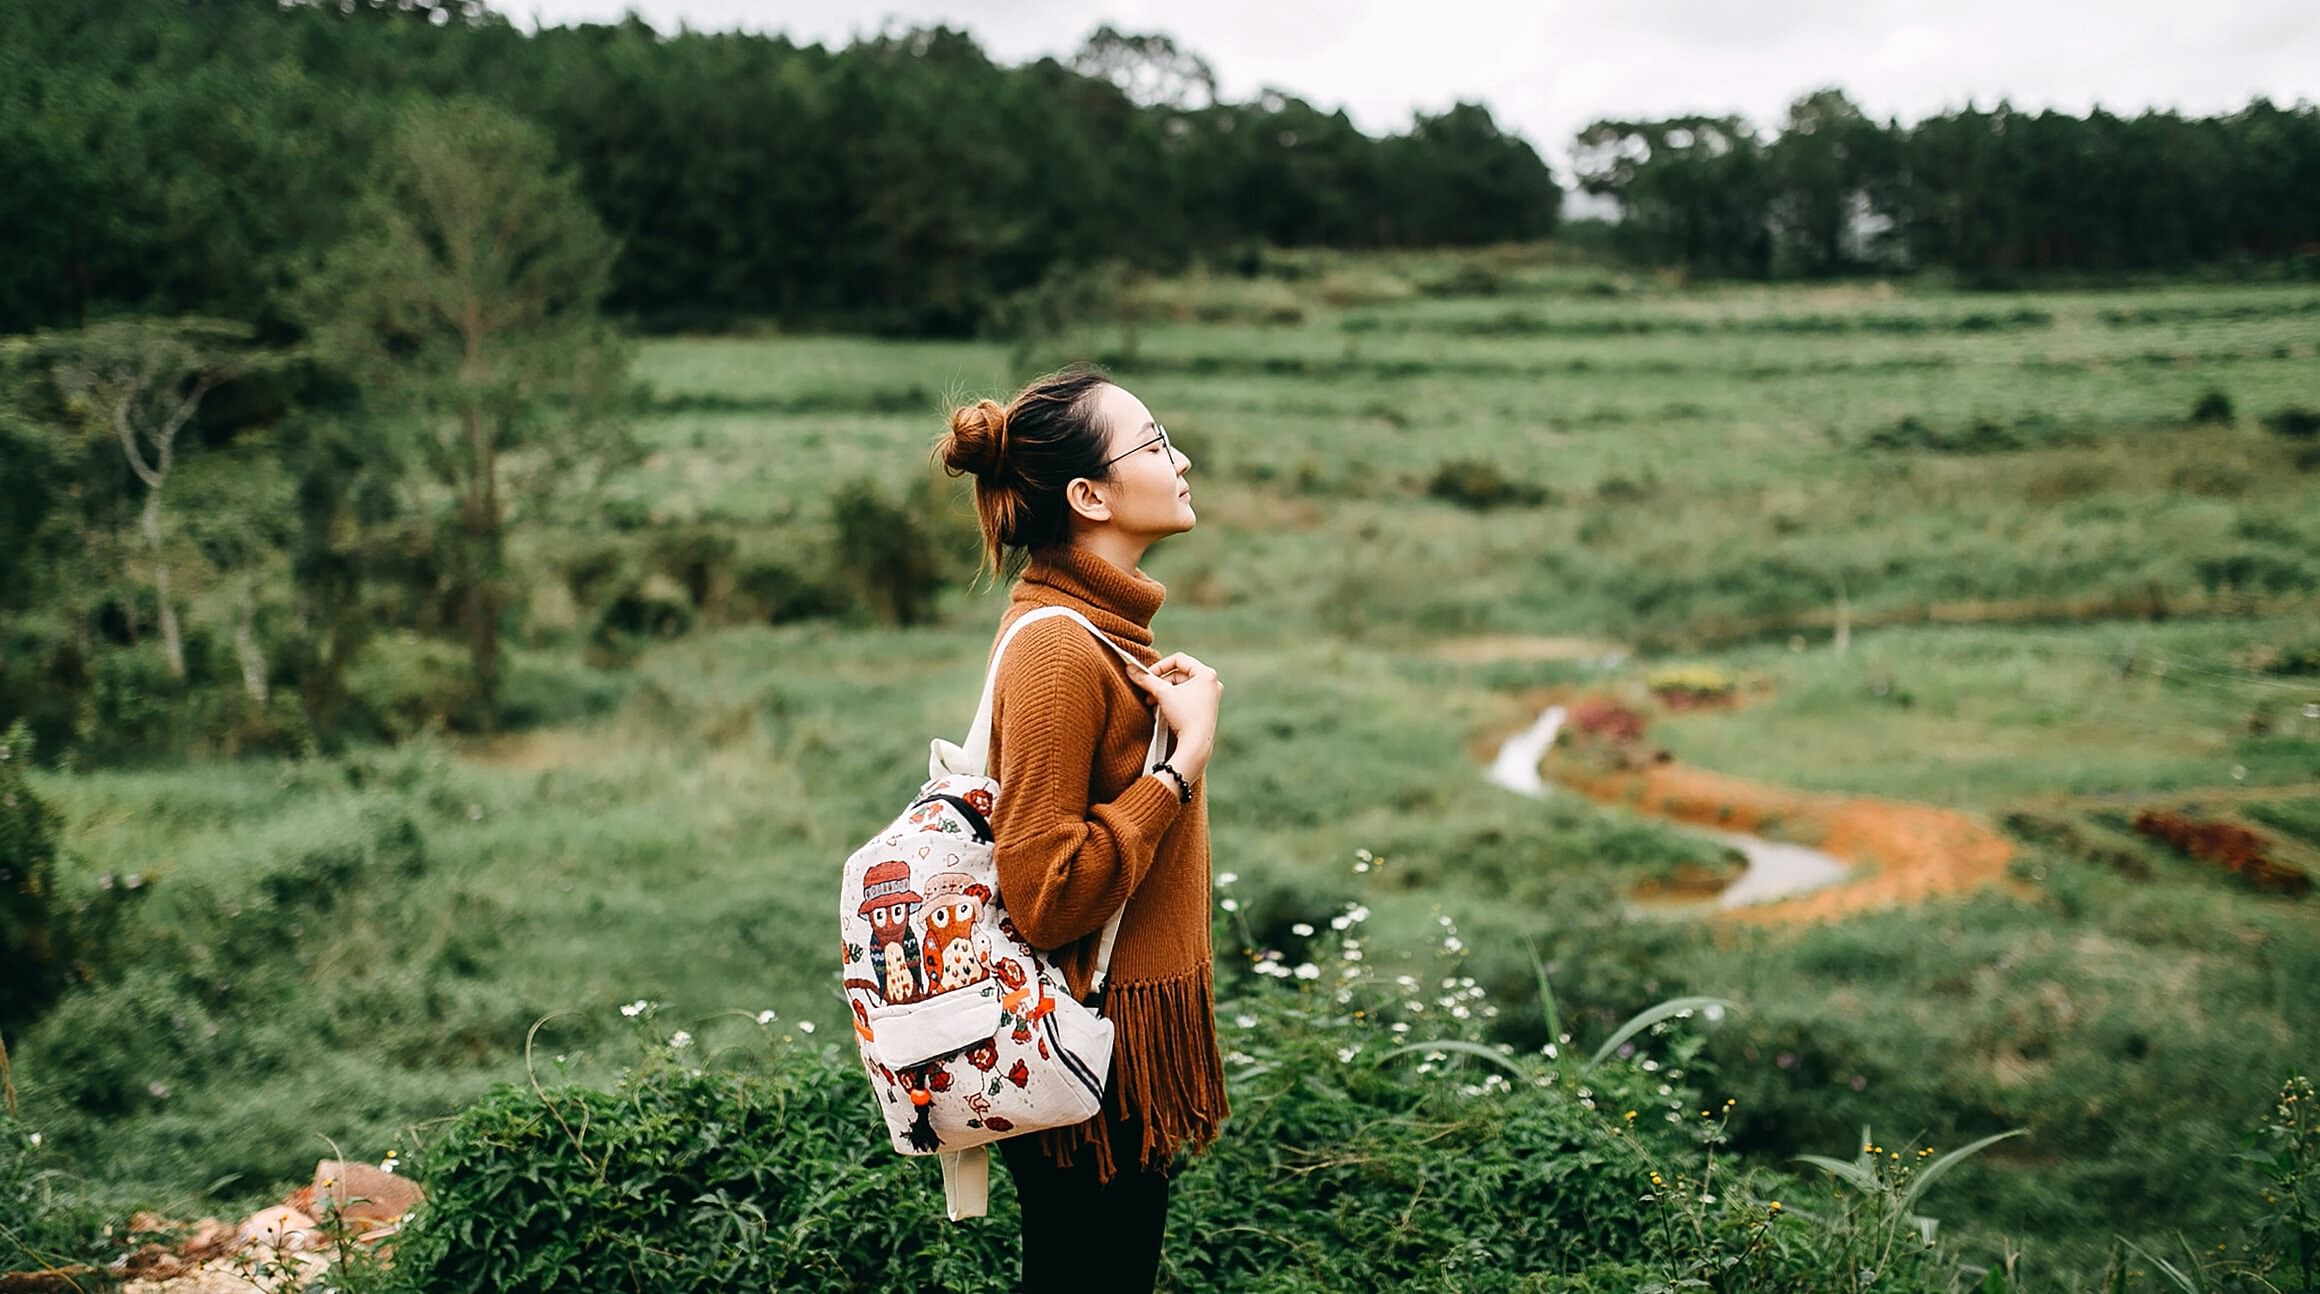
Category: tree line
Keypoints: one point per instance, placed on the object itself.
(1993, 194)
(184, 156)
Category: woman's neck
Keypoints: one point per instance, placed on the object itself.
(1118, 549)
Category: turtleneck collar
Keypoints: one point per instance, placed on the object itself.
(1121, 603)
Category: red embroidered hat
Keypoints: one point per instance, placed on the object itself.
(888, 882)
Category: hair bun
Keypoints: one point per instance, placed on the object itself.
(978, 439)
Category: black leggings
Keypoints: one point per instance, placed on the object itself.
(1079, 1235)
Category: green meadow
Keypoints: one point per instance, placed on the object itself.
(1434, 492)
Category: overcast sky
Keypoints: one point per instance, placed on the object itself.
(1547, 67)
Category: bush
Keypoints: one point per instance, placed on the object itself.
(887, 552)
(698, 559)
(28, 937)
(2213, 407)
(653, 607)
(1475, 483)
(2295, 423)
(407, 683)
(776, 592)
(47, 1224)
(1376, 1142)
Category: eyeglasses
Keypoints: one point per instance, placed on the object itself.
(1161, 440)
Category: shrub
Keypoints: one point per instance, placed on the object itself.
(28, 938)
(887, 552)
(653, 607)
(1469, 278)
(2295, 423)
(698, 559)
(2213, 407)
(1682, 687)
(407, 683)
(775, 592)
(48, 1226)
(1478, 484)
(1349, 288)
(1376, 1142)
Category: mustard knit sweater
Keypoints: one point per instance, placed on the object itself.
(1079, 830)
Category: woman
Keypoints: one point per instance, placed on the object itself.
(1074, 480)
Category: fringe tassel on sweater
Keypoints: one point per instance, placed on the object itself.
(1157, 1075)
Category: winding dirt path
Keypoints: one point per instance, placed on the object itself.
(1903, 853)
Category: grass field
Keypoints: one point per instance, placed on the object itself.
(2064, 597)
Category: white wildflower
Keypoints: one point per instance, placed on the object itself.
(1245, 1021)
(1308, 971)
(1549, 1049)
(1345, 1055)
(636, 1008)
(680, 1040)
(1226, 878)
(1301, 930)
(1230, 905)
(766, 1017)
(34, 1139)
(1713, 1011)
(1401, 1026)
(805, 1026)
(1452, 945)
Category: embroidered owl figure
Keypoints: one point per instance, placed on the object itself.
(956, 953)
(888, 901)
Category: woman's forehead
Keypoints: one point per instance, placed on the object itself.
(1121, 414)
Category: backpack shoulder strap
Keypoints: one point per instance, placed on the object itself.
(977, 749)
(978, 743)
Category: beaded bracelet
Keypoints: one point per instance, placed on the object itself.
(1183, 788)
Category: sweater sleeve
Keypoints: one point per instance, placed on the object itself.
(1065, 864)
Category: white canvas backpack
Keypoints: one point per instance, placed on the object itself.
(968, 1033)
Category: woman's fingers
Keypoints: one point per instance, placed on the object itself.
(1179, 666)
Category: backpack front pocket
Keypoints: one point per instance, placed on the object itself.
(909, 1033)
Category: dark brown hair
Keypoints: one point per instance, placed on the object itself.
(1022, 455)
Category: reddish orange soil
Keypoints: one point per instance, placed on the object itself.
(1905, 853)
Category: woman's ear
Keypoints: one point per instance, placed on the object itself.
(1086, 498)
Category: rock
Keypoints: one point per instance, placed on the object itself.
(277, 1228)
(363, 1193)
(268, 1275)
(210, 1239)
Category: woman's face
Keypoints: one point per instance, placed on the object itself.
(1147, 494)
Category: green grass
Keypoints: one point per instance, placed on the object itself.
(1709, 488)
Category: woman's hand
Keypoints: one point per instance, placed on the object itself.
(1188, 694)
